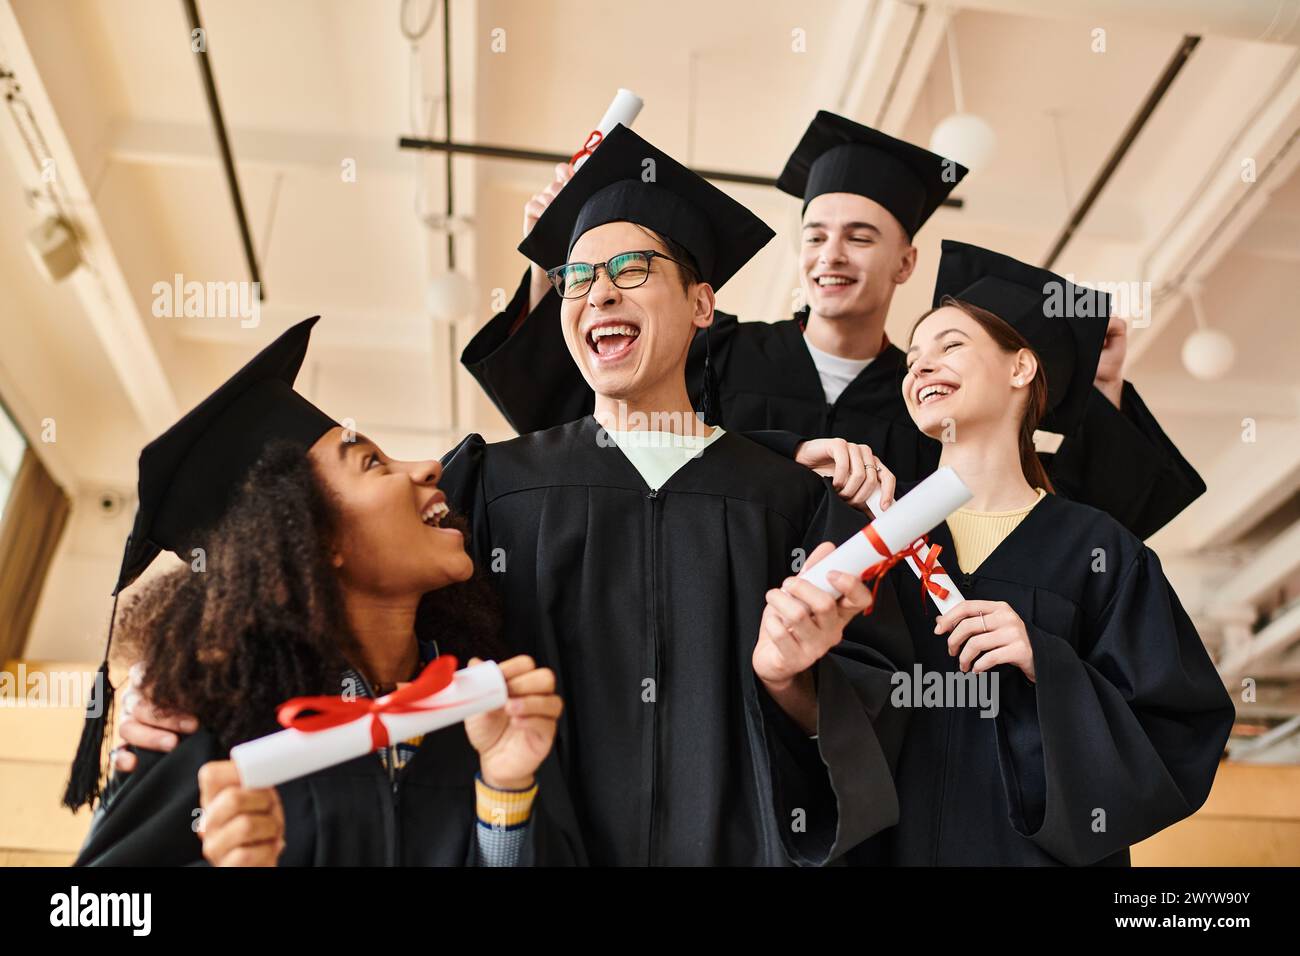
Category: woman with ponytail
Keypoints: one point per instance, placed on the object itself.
(1066, 708)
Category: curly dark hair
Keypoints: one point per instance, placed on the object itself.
(265, 620)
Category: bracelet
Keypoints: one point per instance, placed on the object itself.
(502, 809)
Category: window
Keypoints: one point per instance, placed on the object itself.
(12, 446)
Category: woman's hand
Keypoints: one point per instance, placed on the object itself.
(801, 622)
(854, 471)
(512, 742)
(986, 634)
(241, 827)
(142, 725)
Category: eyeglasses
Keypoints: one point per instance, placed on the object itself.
(627, 271)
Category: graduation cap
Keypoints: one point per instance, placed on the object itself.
(720, 233)
(837, 155)
(1063, 322)
(188, 478)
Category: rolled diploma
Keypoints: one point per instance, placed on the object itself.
(622, 109)
(289, 754)
(911, 516)
(944, 604)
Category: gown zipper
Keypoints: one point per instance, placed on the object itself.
(964, 586)
(653, 497)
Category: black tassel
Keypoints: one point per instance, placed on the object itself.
(88, 764)
(710, 402)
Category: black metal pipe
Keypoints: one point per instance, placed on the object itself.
(223, 141)
(1172, 69)
(446, 113)
(539, 156)
(452, 351)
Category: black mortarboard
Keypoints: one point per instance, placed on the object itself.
(1063, 322)
(188, 477)
(720, 233)
(190, 473)
(837, 155)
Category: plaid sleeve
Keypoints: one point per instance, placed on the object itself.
(503, 817)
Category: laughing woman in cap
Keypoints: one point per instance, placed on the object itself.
(1107, 717)
(317, 565)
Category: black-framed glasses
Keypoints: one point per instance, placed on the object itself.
(627, 270)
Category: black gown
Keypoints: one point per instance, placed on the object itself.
(352, 814)
(647, 605)
(1128, 715)
(1119, 460)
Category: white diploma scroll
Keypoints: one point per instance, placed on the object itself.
(911, 516)
(944, 604)
(289, 754)
(622, 109)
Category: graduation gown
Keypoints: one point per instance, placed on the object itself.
(1119, 461)
(647, 605)
(1119, 738)
(351, 814)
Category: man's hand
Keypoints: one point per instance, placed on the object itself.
(512, 742)
(241, 827)
(801, 622)
(142, 725)
(533, 209)
(854, 471)
(1110, 368)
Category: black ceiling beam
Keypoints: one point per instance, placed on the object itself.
(1166, 80)
(538, 156)
(223, 142)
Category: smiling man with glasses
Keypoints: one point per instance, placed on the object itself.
(635, 558)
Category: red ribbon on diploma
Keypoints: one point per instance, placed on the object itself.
(333, 711)
(593, 140)
(929, 565)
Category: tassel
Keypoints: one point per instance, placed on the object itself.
(710, 402)
(88, 765)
